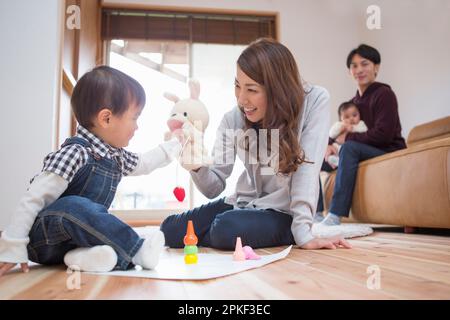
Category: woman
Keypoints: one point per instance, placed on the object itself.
(266, 209)
(377, 105)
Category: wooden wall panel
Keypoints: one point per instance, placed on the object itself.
(81, 53)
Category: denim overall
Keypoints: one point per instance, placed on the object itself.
(80, 218)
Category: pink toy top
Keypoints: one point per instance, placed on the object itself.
(238, 254)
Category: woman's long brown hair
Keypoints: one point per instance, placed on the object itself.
(273, 66)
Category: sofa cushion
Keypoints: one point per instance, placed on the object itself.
(415, 148)
(432, 130)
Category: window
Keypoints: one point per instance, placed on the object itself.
(143, 60)
(215, 67)
(162, 50)
(235, 29)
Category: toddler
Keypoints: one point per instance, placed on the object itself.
(63, 217)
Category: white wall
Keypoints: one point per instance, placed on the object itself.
(414, 41)
(29, 75)
(320, 34)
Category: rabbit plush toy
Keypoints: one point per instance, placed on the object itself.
(189, 119)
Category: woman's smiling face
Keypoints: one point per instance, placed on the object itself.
(251, 97)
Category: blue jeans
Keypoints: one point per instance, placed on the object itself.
(350, 155)
(218, 224)
(325, 167)
(72, 222)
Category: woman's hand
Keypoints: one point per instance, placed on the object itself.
(193, 155)
(6, 266)
(327, 243)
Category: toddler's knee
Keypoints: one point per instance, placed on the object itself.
(73, 205)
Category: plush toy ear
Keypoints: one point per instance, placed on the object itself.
(171, 97)
(194, 87)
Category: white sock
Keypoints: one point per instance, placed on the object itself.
(146, 232)
(318, 217)
(94, 259)
(148, 255)
(331, 220)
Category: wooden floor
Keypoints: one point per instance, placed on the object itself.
(412, 266)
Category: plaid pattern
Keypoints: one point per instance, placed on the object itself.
(69, 159)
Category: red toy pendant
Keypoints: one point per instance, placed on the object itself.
(179, 193)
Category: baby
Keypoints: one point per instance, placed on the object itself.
(350, 121)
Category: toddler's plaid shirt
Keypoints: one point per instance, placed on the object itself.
(68, 160)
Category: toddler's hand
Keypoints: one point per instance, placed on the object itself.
(6, 266)
(180, 135)
(348, 127)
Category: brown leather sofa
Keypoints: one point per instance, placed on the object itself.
(410, 187)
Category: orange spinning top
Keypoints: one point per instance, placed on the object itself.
(190, 239)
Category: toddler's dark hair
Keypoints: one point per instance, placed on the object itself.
(104, 87)
(344, 106)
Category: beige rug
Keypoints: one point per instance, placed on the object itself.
(345, 230)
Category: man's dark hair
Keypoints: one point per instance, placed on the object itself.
(104, 87)
(366, 52)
